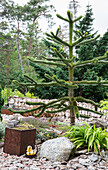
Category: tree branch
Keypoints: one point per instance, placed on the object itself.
(93, 61)
(59, 16)
(82, 99)
(95, 83)
(47, 62)
(89, 110)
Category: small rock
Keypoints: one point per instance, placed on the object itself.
(20, 165)
(91, 168)
(74, 159)
(84, 162)
(93, 157)
(76, 165)
(13, 168)
(34, 168)
(83, 156)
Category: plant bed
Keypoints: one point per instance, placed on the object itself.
(16, 141)
(6, 111)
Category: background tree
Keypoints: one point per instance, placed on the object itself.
(89, 51)
(17, 18)
(69, 62)
(52, 92)
(38, 10)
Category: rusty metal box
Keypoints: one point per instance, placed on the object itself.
(16, 141)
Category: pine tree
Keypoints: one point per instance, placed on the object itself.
(85, 24)
(85, 51)
(69, 62)
(89, 51)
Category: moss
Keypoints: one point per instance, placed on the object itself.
(24, 126)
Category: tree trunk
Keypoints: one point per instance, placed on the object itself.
(19, 56)
(7, 72)
(71, 91)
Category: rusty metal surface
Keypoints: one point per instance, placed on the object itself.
(16, 141)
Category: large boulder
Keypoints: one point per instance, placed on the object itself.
(57, 150)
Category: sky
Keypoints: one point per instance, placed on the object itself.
(100, 13)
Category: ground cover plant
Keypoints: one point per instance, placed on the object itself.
(12, 93)
(87, 136)
(70, 63)
(104, 105)
(44, 135)
(2, 130)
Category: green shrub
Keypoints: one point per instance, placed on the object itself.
(2, 130)
(15, 93)
(104, 105)
(94, 138)
(44, 135)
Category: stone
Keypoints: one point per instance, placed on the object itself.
(93, 157)
(76, 165)
(91, 167)
(84, 162)
(26, 168)
(57, 150)
(34, 168)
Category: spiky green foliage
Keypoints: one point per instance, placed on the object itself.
(94, 138)
(68, 102)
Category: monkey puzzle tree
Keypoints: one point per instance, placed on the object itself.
(66, 102)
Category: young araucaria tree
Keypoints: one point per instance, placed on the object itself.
(67, 102)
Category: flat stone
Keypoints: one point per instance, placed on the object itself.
(84, 162)
(93, 157)
(82, 151)
(13, 168)
(26, 168)
(91, 168)
(34, 168)
(76, 165)
(74, 159)
(83, 156)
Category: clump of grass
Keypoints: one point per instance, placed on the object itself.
(94, 138)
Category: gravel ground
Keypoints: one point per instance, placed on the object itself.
(82, 161)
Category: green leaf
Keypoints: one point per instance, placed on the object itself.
(80, 144)
(98, 145)
(95, 148)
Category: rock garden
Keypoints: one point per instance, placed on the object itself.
(64, 132)
(55, 150)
